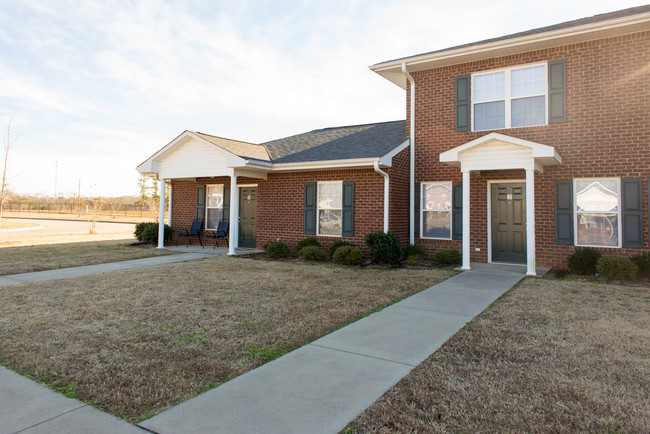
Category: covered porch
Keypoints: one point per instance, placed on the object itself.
(494, 152)
(195, 155)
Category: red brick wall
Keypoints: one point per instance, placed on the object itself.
(399, 196)
(280, 204)
(281, 201)
(607, 133)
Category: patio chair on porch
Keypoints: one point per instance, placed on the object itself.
(221, 232)
(193, 231)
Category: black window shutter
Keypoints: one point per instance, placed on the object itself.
(348, 209)
(226, 203)
(564, 212)
(557, 91)
(632, 213)
(416, 216)
(200, 202)
(457, 211)
(310, 208)
(463, 103)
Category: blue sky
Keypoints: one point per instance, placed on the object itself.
(99, 86)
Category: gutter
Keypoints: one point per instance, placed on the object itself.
(386, 193)
(412, 158)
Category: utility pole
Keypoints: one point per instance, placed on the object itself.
(79, 198)
(56, 176)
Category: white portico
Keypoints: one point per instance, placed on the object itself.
(496, 151)
(193, 155)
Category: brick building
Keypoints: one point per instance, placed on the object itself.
(526, 147)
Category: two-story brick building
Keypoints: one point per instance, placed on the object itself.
(516, 149)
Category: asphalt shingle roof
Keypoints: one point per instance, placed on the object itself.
(339, 143)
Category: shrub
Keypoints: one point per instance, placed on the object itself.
(338, 244)
(584, 261)
(148, 232)
(642, 262)
(276, 249)
(449, 257)
(413, 259)
(413, 250)
(616, 267)
(312, 253)
(347, 255)
(311, 241)
(384, 247)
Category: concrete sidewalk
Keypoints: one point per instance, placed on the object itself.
(63, 273)
(28, 407)
(323, 386)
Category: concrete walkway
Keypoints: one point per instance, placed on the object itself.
(63, 273)
(28, 407)
(321, 387)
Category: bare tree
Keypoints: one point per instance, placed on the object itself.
(95, 208)
(114, 204)
(9, 144)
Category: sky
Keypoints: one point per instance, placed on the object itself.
(94, 88)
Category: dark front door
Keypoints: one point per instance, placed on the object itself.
(509, 222)
(247, 216)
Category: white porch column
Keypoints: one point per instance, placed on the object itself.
(233, 236)
(466, 210)
(161, 217)
(530, 222)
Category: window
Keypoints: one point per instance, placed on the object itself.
(509, 98)
(213, 206)
(330, 208)
(597, 212)
(436, 210)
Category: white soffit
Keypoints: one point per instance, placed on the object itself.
(496, 151)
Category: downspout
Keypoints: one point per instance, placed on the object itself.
(412, 155)
(386, 191)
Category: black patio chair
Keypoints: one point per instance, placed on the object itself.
(193, 231)
(221, 232)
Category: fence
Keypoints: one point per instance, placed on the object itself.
(83, 208)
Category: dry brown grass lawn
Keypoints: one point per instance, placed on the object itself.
(14, 260)
(551, 356)
(135, 342)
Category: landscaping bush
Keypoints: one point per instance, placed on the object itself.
(148, 232)
(312, 253)
(616, 267)
(276, 249)
(414, 250)
(642, 262)
(384, 247)
(584, 261)
(338, 244)
(449, 257)
(311, 241)
(347, 255)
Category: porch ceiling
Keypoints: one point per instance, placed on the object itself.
(496, 151)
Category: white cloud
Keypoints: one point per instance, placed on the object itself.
(100, 86)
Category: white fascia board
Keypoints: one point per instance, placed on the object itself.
(391, 70)
(151, 164)
(329, 164)
(387, 160)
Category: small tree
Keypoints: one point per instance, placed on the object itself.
(8, 146)
(95, 208)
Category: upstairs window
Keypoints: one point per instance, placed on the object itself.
(509, 98)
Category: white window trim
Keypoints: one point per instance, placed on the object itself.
(422, 210)
(575, 213)
(212, 207)
(508, 98)
(318, 208)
